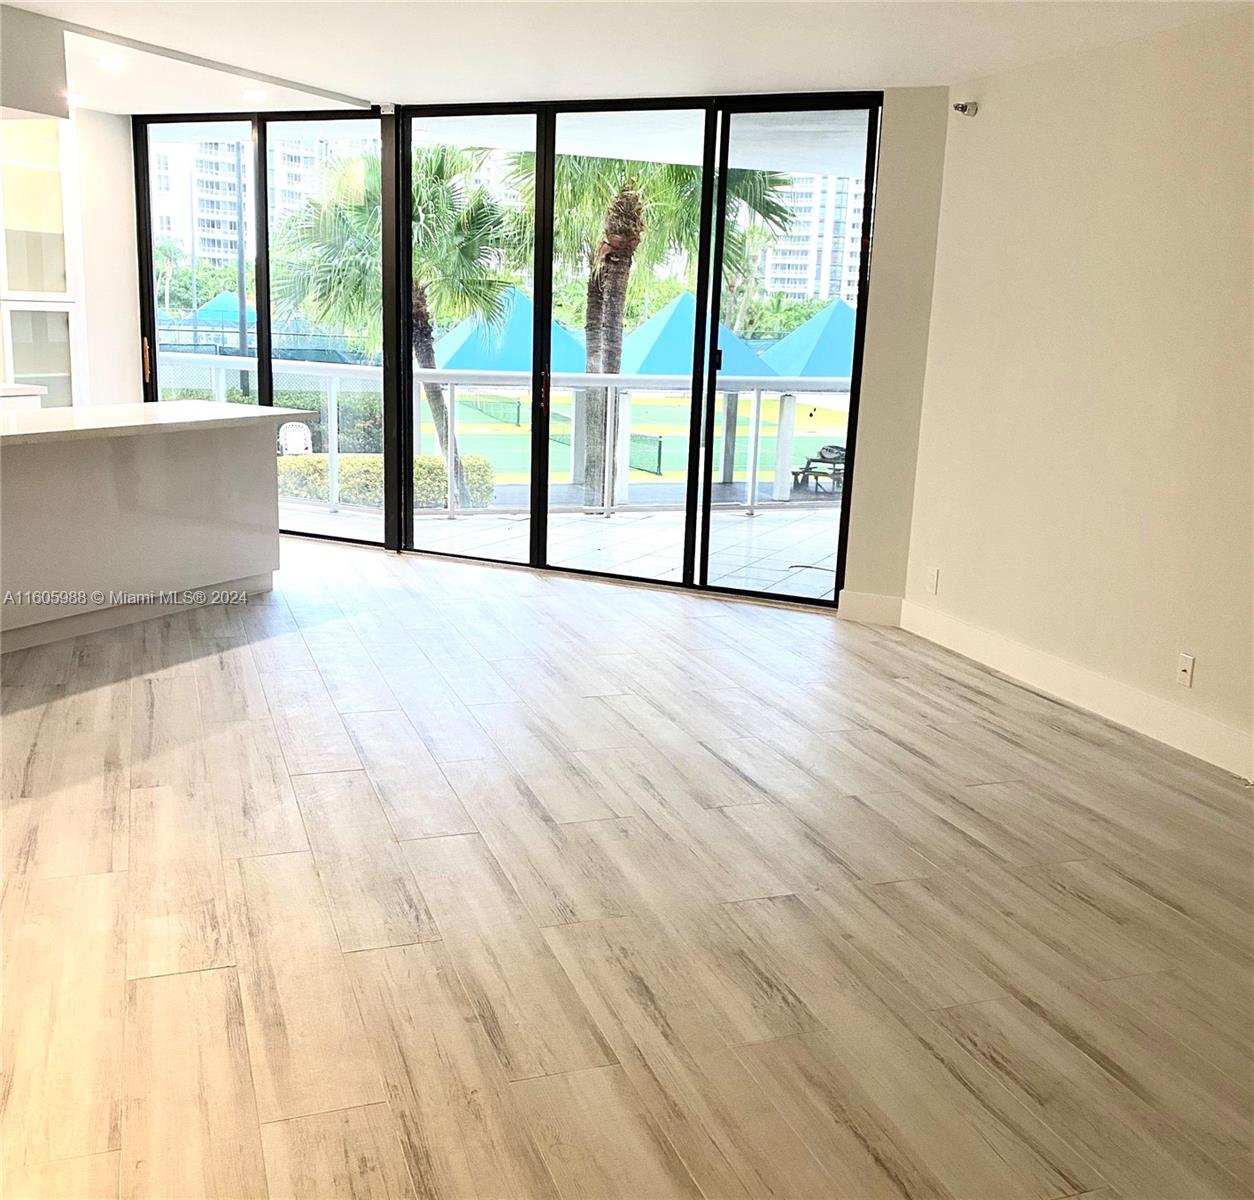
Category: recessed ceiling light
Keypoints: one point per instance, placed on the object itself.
(254, 95)
(113, 60)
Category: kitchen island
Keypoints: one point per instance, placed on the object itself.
(115, 513)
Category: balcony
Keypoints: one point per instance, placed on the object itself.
(772, 529)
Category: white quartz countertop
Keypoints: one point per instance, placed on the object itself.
(129, 420)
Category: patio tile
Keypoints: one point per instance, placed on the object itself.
(787, 550)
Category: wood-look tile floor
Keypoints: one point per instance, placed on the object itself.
(416, 878)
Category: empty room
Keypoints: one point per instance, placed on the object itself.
(627, 600)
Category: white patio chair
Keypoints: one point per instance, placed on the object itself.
(295, 437)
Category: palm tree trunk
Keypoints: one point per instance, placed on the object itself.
(592, 408)
(424, 352)
(746, 298)
(607, 305)
(594, 324)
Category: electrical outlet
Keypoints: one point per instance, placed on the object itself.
(933, 580)
(1184, 670)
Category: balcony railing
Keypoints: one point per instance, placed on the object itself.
(183, 372)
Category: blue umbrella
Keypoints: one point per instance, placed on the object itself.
(663, 344)
(223, 309)
(822, 346)
(505, 345)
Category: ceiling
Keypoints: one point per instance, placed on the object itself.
(441, 53)
(121, 79)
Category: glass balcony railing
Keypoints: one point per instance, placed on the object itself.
(773, 439)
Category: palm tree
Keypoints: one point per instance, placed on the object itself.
(328, 258)
(742, 282)
(614, 215)
(166, 254)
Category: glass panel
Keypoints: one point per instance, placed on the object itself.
(41, 353)
(473, 213)
(791, 267)
(204, 259)
(326, 312)
(626, 229)
(34, 228)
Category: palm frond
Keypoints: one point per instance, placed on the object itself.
(326, 256)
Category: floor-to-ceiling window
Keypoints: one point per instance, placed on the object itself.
(626, 235)
(204, 260)
(791, 271)
(472, 325)
(612, 337)
(324, 215)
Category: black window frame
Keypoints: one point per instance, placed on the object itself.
(395, 126)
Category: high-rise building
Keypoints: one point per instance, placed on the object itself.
(197, 191)
(818, 257)
(203, 190)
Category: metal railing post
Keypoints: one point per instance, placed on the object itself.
(218, 382)
(622, 447)
(578, 435)
(333, 443)
(755, 446)
(609, 444)
(450, 450)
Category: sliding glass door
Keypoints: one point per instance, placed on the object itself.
(793, 241)
(265, 269)
(612, 337)
(627, 223)
(325, 252)
(472, 322)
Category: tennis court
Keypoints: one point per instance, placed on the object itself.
(497, 426)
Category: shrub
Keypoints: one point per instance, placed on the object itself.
(360, 414)
(430, 482)
(361, 480)
(304, 477)
(480, 482)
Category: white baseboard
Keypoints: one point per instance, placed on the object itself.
(1204, 737)
(871, 608)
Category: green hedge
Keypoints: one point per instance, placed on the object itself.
(304, 477)
(360, 413)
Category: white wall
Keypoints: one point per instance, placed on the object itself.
(106, 197)
(907, 205)
(1084, 461)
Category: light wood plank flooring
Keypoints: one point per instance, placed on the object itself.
(417, 878)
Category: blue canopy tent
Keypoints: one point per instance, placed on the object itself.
(478, 345)
(214, 326)
(223, 309)
(822, 346)
(663, 344)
